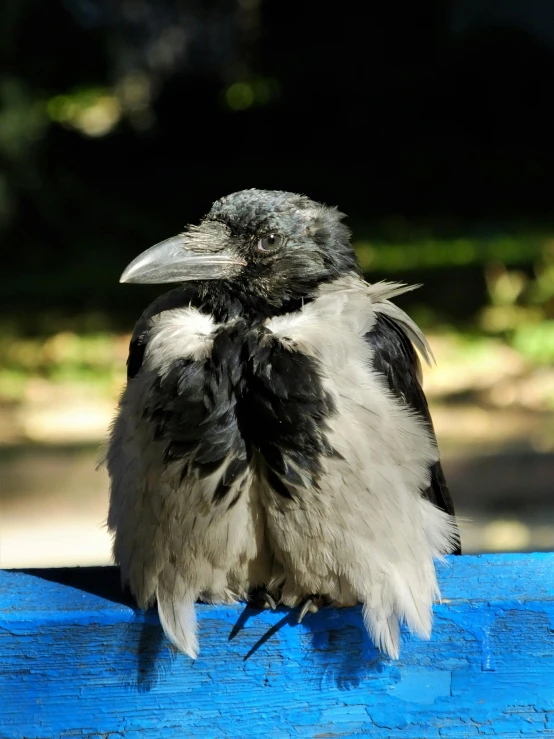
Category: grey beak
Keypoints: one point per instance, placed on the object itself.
(171, 261)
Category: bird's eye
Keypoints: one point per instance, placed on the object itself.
(269, 242)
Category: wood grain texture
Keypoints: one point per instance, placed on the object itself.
(77, 660)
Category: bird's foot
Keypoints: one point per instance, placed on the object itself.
(312, 605)
(260, 598)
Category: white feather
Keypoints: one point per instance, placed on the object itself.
(175, 334)
(178, 620)
(368, 524)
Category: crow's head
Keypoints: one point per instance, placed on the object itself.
(270, 246)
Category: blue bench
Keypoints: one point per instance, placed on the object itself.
(77, 660)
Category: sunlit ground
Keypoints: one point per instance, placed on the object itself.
(492, 409)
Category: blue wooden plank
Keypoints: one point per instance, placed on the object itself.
(77, 660)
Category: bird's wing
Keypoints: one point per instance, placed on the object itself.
(363, 531)
(178, 467)
(394, 356)
(176, 298)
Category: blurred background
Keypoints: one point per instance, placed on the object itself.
(430, 124)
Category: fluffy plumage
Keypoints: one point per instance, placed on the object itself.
(274, 435)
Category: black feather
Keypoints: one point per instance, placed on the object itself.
(137, 348)
(251, 395)
(395, 357)
(286, 410)
(235, 468)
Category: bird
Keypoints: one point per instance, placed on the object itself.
(273, 443)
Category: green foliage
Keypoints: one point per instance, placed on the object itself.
(22, 118)
(244, 94)
(65, 357)
(521, 306)
(93, 111)
(536, 342)
(433, 253)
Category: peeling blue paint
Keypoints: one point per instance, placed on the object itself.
(82, 662)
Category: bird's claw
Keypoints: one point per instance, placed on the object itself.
(308, 605)
(312, 605)
(262, 599)
(270, 602)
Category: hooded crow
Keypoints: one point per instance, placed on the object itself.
(273, 441)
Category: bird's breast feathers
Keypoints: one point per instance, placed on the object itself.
(296, 392)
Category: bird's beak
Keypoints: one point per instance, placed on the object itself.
(171, 261)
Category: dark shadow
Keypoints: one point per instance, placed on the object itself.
(288, 619)
(340, 650)
(152, 665)
(144, 654)
(335, 646)
(243, 619)
(144, 636)
(103, 582)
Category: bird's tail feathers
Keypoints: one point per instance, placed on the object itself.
(178, 620)
(441, 530)
(408, 591)
(384, 631)
(403, 598)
